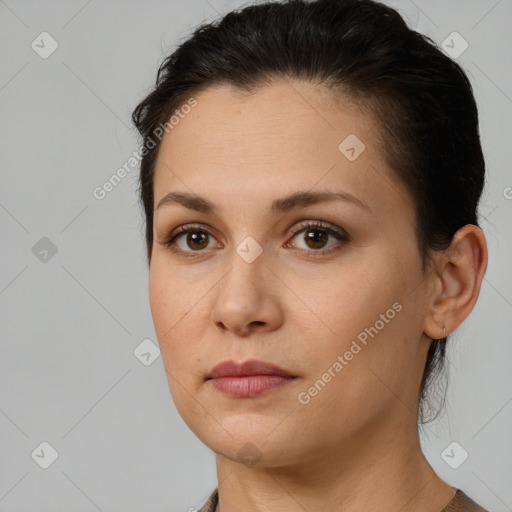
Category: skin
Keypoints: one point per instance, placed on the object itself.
(355, 445)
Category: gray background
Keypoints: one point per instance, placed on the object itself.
(70, 321)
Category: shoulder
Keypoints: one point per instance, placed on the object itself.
(463, 503)
(459, 503)
(211, 502)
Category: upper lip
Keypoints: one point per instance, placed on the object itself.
(250, 367)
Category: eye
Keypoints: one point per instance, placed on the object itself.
(197, 239)
(316, 235)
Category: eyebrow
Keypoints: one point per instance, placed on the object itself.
(292, 202)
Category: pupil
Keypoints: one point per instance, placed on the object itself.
(317, 241)
(194, 238)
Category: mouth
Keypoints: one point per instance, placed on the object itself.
(249, 379)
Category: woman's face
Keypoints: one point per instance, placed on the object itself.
(340, 306)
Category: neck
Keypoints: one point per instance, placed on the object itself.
(379, 469)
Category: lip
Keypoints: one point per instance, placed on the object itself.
(249, 379)
(246, 369)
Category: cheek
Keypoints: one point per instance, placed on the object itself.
(181, 313)
(349, 299)
(175, 320)
(169, 296)
(170, 310)
(360, 315)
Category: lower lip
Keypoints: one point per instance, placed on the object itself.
(249, 386)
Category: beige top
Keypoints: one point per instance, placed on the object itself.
(459, 503)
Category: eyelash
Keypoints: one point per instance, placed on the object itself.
(316, 225)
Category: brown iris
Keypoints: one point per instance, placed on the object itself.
(317, 241)
(197, 237)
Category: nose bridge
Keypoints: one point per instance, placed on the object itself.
(245, 295)
(247, 263)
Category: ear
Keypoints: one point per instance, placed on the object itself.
(459, 274)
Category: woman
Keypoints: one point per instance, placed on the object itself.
(310, 179)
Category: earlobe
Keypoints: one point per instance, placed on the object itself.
(459, 278)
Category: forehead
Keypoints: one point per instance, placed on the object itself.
(291, 116)
(277, 139)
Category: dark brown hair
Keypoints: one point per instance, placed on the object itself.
(422, 100)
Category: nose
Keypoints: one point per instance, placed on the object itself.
(248, 298)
